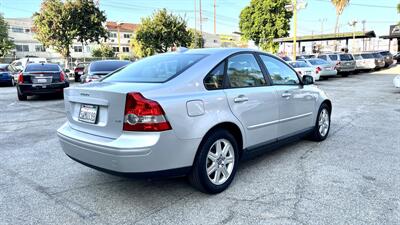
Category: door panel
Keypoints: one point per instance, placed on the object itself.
(296, 104)
(250, 99)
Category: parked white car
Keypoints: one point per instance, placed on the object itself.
(396, 81)
(302, 68)
(20, 64)
(322, 68)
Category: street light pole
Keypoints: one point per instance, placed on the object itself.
(119, 40)
(294, 28)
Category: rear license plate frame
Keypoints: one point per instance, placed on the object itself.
(88, 108)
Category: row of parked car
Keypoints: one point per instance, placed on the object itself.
(326, 65)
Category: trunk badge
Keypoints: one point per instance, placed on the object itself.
(85, 94)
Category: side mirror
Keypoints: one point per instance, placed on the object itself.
(307, 80)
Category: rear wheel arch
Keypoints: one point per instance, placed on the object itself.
(328, 103)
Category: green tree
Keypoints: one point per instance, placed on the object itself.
(5, 43)
(340, 5)
(88, 21)
(58, 23)
(264, 20)
(197, 39)
(159, 33)
(103, 51)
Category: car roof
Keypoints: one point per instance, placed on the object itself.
(110, 60)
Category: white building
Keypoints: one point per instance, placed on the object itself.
(22, 33)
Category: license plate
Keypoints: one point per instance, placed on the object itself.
(88, 113)
(42, 80)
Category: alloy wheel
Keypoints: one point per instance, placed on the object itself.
(323, 123)
(220, 161)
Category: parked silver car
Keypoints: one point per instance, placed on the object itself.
(379, 60)
(343, 62)
(192, 112)
(366, 61)
(322, 68)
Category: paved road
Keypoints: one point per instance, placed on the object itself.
(351, 178)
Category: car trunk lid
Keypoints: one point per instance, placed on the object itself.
(104, 99)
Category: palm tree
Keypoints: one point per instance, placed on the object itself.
(339, 5)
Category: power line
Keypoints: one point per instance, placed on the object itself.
(363, 5)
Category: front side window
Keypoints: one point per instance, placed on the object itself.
(280, 73)
(215, 79)
(244, 71)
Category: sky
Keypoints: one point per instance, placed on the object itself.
(317, 16)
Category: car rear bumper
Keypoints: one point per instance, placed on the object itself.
(327, 73)
(346, 69)
(132, 152)
(33, 89)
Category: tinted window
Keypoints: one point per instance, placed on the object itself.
(385, 53)
(107, 66)
(286, 58)
(322, 57)
(244, 71)
(279, 72)
(333, 57)
(215, 78)
(377, 55)
(42, 67)
(316, 62)
(345, 57)
(158, 68)
(298, 64)
(367, 56)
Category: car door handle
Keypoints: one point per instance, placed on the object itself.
(240, 98)
(286, 95)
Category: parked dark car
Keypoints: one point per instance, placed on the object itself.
(41, 78)
(388, 57)
(7, 74)
(98, 69)
(79, 70)
(397, 57)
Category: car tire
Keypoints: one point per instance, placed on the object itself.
(22, 97)
(345, 74)
(322, 124)
(218, 163)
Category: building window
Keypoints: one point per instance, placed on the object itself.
(125, 49)
(17, 29)
(77, 48)
(22, 48)
(127, 35)
(39, 48)
(115, 49)
(27, 30)
(112, 35)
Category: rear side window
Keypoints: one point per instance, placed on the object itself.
(358, 57)
(244, 71)
(280, 73)
(107, 66)
(333, 57)
(316, 62)
(386, 53)
(322, 57)
(367, 56)
(155, 69)
(215, 79)
(42, 67)
(298, 64)
(346, 57)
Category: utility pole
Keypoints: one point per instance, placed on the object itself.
(215, 16)
(294, 28)
(353, 24)
(363, 23)
(195, 15)
(322, 24)
(201, 21)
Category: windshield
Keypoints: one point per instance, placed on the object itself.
(155, 69)
(107, 66)
(333, 57)
(385, 53)
(316, 62)
(35, 67)
(367, 56)
(346, 57)
(298, 64)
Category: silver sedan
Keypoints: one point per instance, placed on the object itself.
(191, 112)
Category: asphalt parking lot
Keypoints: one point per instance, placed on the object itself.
(351, 178)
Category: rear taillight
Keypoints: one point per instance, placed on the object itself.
(62, 76)
(142, 114)
(20, 78)
(318, 69)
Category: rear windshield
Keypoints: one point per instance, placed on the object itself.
(81, 65)
(316, 62)
(298, 64)
(386, 53)
(346, 57)
(155, 69)
(42, 67)
(107, 66)
(333, 57)
(377, 55)
(367, 56)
